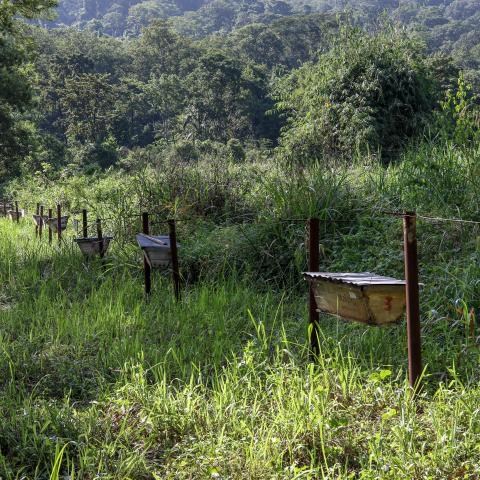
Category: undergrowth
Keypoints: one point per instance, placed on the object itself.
(99, 382)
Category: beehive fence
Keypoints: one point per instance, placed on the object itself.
(410, 254)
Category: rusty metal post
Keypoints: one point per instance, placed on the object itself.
(412, 298)
(84, 223)
(17, 215)
(50, 232)
(175, 268)
(100, 237)
(37, 212)
(59, 223)
(313, 266)
(40, 227)
(146, 266)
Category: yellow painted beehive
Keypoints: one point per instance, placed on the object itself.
(361, 297)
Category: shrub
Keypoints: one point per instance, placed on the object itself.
(368, 93)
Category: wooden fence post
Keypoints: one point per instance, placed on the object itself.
(17, 214)
(100, 237)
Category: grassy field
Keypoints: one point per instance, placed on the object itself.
(99, 383)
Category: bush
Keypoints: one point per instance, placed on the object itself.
(368, 93)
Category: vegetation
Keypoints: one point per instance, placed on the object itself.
(239, 120)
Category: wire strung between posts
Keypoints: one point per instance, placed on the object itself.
(431, 218)
(453, 220)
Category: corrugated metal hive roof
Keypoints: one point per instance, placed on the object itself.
(360, 279)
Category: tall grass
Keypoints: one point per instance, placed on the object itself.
(99, 382)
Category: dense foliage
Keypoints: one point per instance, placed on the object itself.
(275, 75)
(15, 80)
(365, 94)
(449, 26)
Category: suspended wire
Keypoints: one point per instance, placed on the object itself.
(451, 220)
(403, 214)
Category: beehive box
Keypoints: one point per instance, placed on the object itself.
(5, 208)
(38, 219)
(52, 223)
(91, 246)
(362, 297)
(13, 214)
(156, 249)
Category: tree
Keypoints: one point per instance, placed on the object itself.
(368, 93)
(88, 100)
(226, 99)
(15, 83)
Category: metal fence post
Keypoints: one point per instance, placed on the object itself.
(146, 266)
(40, 227)
(412, 298)
(59, 223)
(84, 223)
(37, 212)
(313, 266)
(50, 232)
(175, 267)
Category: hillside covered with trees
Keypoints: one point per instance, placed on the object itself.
(448, 26)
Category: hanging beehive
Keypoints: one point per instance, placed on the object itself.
(53, 223)
(156, 249)
(13, 215)
(93, 246)
(362, 297)
(39, 220)
(5, 208)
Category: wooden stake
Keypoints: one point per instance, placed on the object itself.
(16, 212)
(174, 251)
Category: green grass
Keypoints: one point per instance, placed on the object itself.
(97, 382)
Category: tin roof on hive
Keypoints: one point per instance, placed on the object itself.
(149, 241)
(361, 279)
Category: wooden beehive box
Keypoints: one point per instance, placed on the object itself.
(39, 220)
(5, 208)
(362, 297)
(91, 246)
(156, 249)
(13, 214)
(52, 223)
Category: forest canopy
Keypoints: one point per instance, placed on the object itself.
(304, 80)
